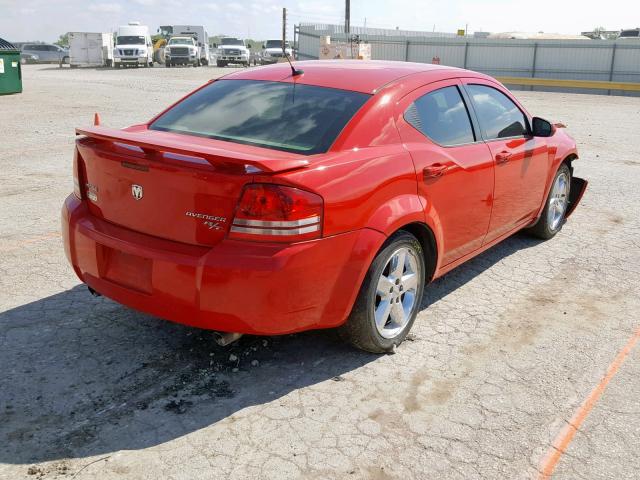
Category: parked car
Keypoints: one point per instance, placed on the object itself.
(181, 51)
(28, 58)
(44, 53)
(242, 210)
(272, 51)
(232, 50)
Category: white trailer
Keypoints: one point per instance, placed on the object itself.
(87, 49)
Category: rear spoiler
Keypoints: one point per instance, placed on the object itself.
(152, 145)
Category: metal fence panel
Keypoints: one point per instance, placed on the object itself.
(561, 59)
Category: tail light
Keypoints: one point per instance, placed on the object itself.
(77, 189)
(275, 213)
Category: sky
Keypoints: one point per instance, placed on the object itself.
(261, 19)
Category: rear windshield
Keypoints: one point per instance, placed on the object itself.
(295, 118)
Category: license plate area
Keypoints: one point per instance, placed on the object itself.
(125, 269)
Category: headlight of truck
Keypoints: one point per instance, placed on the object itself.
(116, 52)
(266, 54)
(142, 53)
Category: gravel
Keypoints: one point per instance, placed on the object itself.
(505, 349)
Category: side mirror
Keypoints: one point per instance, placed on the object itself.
(249, 45)
(541, 127)
(215, 45)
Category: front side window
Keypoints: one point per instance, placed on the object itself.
(499, 117)
(442, 116)
(279, 115)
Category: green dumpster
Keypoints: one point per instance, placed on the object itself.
(10, 70)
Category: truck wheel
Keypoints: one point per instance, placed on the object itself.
(389, 298)
(151, 64)
(205, 62)
(219, 64)
(552, 217)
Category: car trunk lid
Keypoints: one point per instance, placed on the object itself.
(171, 186)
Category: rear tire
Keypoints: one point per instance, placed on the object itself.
(553, 215)
(389, 298)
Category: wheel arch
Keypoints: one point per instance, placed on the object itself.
(427, 240)
(569, 161)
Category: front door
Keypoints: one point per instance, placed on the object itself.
(454, 167)
(521, 161)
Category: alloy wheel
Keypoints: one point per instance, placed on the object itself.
(396, 292)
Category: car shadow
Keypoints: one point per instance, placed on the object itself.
(84, 376)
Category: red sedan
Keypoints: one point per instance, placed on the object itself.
(276, 200)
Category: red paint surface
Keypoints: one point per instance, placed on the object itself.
(380, 175)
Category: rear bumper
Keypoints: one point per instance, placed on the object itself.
(234, 286)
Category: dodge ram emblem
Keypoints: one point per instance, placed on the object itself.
(136, 191)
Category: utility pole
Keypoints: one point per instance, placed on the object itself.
(284, 29)
(347, 16)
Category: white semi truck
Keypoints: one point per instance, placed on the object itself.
(133, 46)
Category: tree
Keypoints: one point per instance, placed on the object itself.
(63, 41)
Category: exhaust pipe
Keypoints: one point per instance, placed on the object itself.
(225, 338)
(93, 292)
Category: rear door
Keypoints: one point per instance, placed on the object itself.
(454, 167)
(521, 160)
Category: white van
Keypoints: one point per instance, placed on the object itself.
(133, 46)
(201, 37)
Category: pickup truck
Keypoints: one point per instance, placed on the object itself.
(232, 50)
(181, 51)
(272, 51)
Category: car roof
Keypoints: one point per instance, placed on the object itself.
(364, 76)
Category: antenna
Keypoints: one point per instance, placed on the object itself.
(294, 71)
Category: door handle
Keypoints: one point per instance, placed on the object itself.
(433, 171)
(503, 157)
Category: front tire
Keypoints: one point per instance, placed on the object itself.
(553, 215)
(389, 298)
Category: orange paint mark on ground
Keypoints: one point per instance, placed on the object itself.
(564, 437)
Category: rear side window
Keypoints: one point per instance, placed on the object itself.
(442, 116)
(280, 115)
(499, 117)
